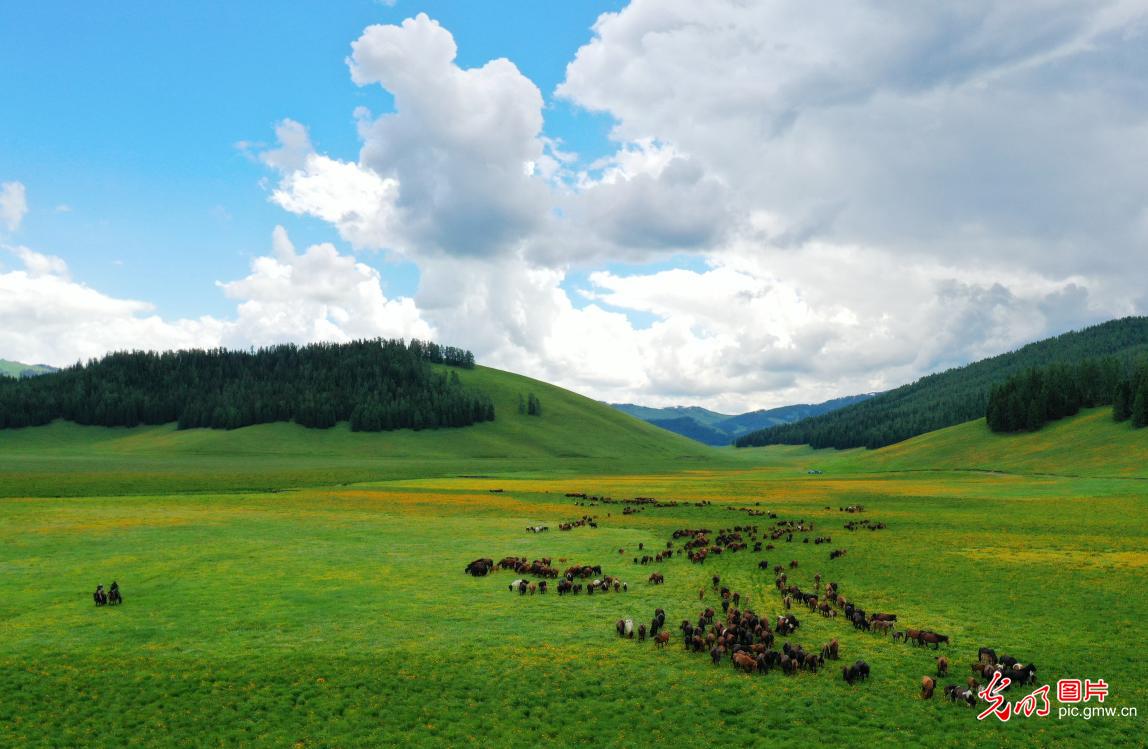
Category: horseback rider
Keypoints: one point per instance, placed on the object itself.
(100, 597)
(114, 593)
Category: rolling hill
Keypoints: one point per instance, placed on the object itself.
(712, 428)
(19, 369)
(953, 396)
(1088, 444)
(574, 434)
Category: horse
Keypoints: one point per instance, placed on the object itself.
(100, 597)
(745, 662)
(928, 684)
(858, 671)
(480, 567)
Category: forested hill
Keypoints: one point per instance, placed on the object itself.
(954, 396)
(376, 385)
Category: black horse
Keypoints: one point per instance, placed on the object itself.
(100, 597)
(114, 597)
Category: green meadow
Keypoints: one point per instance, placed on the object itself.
(295, 588)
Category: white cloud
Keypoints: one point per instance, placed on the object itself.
(356, 200)
(13, 204)
(318, 295)
(980, 130)
(446, 172)
(293, 151)
(50, 318)
(867, 192)
(877, 192)
(36, 264)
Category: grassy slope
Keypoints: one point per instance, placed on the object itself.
(1089, 444)
(574, 434)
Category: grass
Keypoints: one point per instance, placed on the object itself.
(294, 588)
(573, 435)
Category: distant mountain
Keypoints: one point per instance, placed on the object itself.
(18, 369)
(689, 427)
(748, 422)
(672, 413)
(713, 428)
(954, 396)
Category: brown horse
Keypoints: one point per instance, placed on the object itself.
(745, 662)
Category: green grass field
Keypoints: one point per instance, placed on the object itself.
(287, 587)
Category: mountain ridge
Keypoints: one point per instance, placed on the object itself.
(954, 396)
(718, 429)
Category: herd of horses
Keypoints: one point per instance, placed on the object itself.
(747, 640)
(576, 579)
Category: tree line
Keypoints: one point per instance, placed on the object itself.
(376, 384)
(1029, 400)
(953, 396)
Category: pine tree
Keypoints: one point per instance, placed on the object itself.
(1122, 402)
(1140, 406)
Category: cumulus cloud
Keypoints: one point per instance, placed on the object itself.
(866, 193)
(462, 168)
(454, 170)
(50, 318)
(982, 129)
(359, 202)
(876, 192)
(13, 204)
(316, 295)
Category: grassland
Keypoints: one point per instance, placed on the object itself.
(294, 588)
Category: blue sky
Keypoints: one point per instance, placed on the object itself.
(128, 114)
(767, 203)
